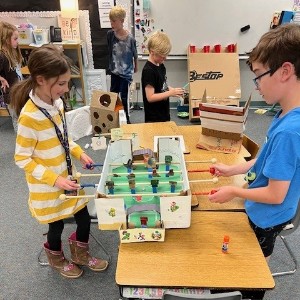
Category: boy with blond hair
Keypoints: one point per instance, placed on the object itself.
(156, 91)
(273, 194)
(122, 56)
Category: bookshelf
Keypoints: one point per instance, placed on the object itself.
(73, 51)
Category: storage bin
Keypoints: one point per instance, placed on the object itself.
(41, 36)
(25, 36)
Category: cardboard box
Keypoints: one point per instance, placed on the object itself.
(216, 73)
(25, 36)
(105, 108)
(223, 121)
(222, 126)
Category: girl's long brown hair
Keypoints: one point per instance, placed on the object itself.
(13, 55)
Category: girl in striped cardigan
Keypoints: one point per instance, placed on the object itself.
(44, 151)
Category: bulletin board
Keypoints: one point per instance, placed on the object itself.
(205, 22)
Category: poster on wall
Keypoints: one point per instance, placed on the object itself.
(296, 6)
(144, 25)
(69, 29)
(104, 9)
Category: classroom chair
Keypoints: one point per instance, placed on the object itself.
(250, 146)
(287, 230)
(168, 295)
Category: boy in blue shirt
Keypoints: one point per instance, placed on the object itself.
(122, 56)
(274, 177)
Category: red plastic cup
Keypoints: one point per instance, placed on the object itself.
(231, 48)
(206, 49)
(217, 48)
(192, 48)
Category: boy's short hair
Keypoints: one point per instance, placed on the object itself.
(117, 12)
(159, 43)
(277, 46)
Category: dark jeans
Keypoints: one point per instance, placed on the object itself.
(120, 85)
(267, 237)
(83, 221)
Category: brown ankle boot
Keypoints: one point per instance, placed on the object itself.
(80, 255)
(58, 262)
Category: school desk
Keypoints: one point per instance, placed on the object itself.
(191, 133)
(193, 257)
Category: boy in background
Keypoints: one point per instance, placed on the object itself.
(122, 56)
(156, 91)
(273, 194)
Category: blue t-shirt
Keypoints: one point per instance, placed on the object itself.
(121, 55)
(279, 159)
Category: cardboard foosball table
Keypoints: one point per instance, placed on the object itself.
(141, 193)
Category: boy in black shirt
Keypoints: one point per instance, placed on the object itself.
(156, 91)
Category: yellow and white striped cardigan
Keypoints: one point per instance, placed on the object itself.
(41, 155)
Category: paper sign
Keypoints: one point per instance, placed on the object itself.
(116, 134)
(157, 293)
(104, 8)
(219, 145)
(99, 143)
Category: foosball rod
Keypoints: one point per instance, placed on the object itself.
(91, 166)
(64, 196)
(204, 193)
(78, 175)
(213, 160)
(214, 180)
(143, 163)
(143, 173)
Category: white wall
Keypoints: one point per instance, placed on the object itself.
(177, 74)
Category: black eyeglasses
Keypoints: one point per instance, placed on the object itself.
(256, 79)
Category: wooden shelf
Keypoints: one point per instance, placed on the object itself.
(3, 112)
(72, 50)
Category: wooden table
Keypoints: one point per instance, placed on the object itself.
(191, 133)
(147, 131)
(192, 257)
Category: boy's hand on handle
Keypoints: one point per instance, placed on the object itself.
(222, 170)
(176, 92)
(222, 195)
(66, 184)
(85, 160)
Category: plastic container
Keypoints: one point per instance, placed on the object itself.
(225, 244)
(25, 36)
(41, 36)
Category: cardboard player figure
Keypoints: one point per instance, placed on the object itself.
(132, 186)
(110, 185)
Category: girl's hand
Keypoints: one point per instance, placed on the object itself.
(4, 84)
(66, 184)
(85, 160)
